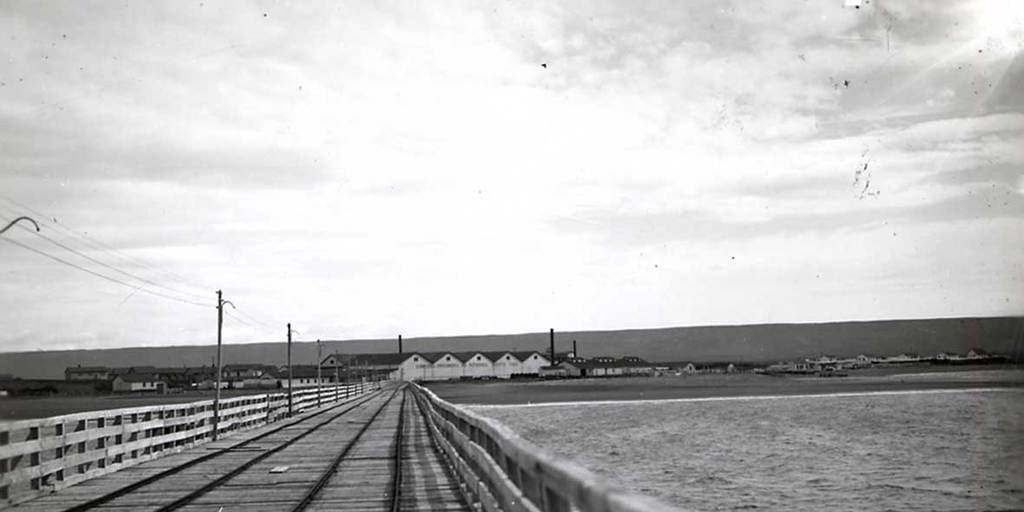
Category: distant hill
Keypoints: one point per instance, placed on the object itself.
(737, 343)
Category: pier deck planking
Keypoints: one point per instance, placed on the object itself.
(363, 480)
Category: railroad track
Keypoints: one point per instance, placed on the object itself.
(238, 456)
(391, 464)
(373, 454)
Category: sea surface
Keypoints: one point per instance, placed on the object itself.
(928, 450)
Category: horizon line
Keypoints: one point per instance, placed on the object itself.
(1019, 317)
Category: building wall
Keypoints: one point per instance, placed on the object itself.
(478, 366)
(122, 386)
(414, 367)
(447, 367)
(533, 364)
(506, 366)
(88, 376)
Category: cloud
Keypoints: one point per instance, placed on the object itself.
(372, 167)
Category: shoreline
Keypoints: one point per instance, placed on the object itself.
(1008, 389)
(729, 386)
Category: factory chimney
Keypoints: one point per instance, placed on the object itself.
(552, 346)
(574, 352)
(399, 343)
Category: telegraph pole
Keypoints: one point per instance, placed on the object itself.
(337, 381)
(318, 357)
(216, 399)
(289, 370)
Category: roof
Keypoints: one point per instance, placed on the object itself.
(494, 355)
(174, 370)
(394, 359)
(132, 369)
(466, 356)
(87, 369)
(523, 355)
(605, 362)
(634, 361)
(246, 366)
(138, 377)
(433, 357)
(303, 371)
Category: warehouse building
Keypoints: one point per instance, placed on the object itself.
(440, 365)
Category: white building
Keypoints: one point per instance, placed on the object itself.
(477, 365)
(434, 365)
(137, 382)
(530, 362)
(445, 365)
(504, 364)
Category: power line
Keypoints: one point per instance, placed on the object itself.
(98, 245)
(102, 276)
(111, 267)
(238, 319)
(254, 319)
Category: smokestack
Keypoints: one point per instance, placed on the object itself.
(552, 346)
(574, 352)
(399, 343)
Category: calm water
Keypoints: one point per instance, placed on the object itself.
(912, 451)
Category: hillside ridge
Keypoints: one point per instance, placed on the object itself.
(750, 343)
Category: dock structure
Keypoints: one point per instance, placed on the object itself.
(390, 447)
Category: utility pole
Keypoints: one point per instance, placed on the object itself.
(290, 370)
(337, 381)
(216, 399)
(318, 358)
(348, 374)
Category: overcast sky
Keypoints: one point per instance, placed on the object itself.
(363, 169)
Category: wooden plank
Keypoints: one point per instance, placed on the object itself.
(178, 431)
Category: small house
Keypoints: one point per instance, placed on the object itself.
(977, 353)
(92, 373)
(553, 372)
(138, 382)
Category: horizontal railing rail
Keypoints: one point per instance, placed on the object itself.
(39, 456)
(499, 470)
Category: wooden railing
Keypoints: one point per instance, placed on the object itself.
(42, 455)
(498, 470)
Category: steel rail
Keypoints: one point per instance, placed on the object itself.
(113, 495)
(321, 482)
(192, 496)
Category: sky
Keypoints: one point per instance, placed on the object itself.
(364, 169)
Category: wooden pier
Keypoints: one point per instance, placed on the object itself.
(389, 448)
(373, 453)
